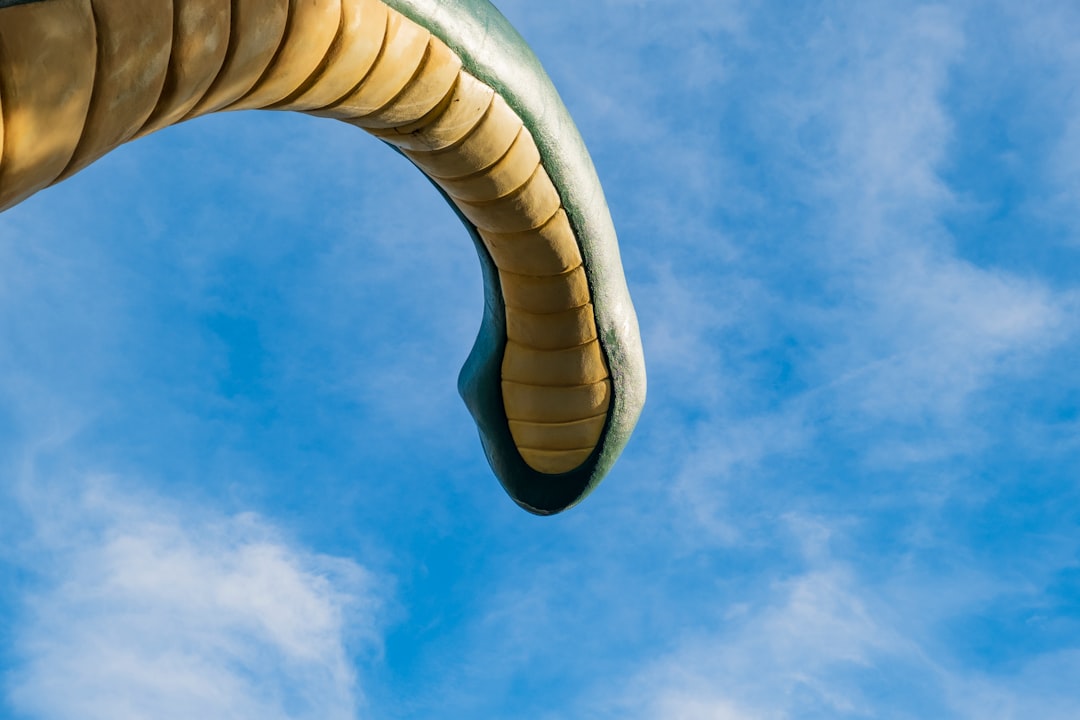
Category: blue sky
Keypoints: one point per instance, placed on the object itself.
(237, 480)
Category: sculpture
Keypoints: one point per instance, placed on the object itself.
(556, 378)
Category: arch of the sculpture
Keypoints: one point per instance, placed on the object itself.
(556, 378)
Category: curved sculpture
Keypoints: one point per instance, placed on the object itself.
(556, 378)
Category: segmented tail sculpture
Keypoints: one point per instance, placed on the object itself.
(556, 378)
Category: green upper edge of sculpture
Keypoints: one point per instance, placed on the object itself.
(495, 53)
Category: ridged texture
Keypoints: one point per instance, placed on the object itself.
(134, 42)
(79, 77)
(48, 55)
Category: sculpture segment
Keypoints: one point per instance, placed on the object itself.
(556, 378)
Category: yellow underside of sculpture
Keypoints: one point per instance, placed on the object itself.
(80, 77)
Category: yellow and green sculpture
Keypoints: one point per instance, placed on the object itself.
(556, 379)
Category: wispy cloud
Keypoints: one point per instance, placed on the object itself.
(829, 641)
(802, 649)
(920, 329)
(143, 608)
(865, 316)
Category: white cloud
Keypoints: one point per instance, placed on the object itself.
(143, 609)
(1044, 688)
(890, 326)
(823, 643)
(1041, 35)
(683, 706)
(918, 330)
(800, 653)
(933, 332)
